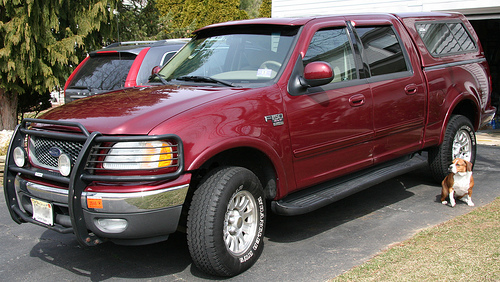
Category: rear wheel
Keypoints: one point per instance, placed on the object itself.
(226, 221)
(459, 142)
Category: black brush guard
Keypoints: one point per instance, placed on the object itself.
(79, 178)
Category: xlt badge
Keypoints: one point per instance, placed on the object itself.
(277, 119)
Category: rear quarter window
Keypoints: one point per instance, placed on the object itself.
(446, 38)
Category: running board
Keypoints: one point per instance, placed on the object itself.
(326, 193)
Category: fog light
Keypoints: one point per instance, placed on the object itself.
(19, 156)
(111, 225)
(64, 164)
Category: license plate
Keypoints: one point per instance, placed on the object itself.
(42, 211)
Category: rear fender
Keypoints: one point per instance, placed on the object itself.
(464, 104)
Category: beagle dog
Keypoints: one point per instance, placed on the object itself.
(458, 183)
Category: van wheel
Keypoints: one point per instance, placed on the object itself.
(459, 142)
(226, 221)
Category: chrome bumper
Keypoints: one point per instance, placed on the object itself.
(150, 216)
(111, 202)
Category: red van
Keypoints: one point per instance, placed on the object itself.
(119, 65)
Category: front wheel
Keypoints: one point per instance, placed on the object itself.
(459, 142)
(226, 221)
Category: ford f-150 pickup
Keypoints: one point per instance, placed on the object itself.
(282, 114)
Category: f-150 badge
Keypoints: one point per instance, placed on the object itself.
(277, 119)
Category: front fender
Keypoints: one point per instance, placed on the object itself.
(243, 120)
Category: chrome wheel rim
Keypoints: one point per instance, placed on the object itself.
(240, 224)
(462, 145)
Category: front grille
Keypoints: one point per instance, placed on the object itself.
(39, 151)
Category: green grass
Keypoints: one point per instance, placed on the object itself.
(466, 248)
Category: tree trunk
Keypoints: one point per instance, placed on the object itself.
(8, 110)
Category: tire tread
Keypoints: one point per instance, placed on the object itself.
(440, 157)
(202, 219)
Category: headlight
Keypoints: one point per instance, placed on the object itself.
(139, 155)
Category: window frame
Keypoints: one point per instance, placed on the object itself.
(394, 75)
(358, 61)
(352, 63)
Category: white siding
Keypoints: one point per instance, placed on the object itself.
(301, 8)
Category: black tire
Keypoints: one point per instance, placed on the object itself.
(459, 142)
(228, 207)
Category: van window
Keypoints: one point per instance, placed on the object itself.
(167, 57)
(443, 39)
(333, 46)
(382, 50)
(103, 72)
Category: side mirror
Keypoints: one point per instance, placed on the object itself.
(317, 74)
(155, 70)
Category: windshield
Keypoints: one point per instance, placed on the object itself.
(248, 55)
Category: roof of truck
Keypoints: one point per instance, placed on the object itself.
(304, 20)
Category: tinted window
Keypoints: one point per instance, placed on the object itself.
(382, 50)
(445, 38)
(107, 72)
(333, 46)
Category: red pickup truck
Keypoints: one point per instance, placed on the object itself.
(286, 114)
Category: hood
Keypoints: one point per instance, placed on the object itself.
(137, 110)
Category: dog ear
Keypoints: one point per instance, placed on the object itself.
(469, 165)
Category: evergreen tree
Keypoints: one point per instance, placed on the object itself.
(170, 16)
(265, 9)
(188, 15)
(217, 11)
(251, 7)
(168, 30)
(137, 20)
(192, 12)
(41, 41)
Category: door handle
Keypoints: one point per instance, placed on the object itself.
(357, 100)
(411, 89)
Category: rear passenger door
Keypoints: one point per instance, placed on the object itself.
(399, 95)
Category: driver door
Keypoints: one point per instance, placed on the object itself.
(331, 126)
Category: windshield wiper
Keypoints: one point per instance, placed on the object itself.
(159, 76)
(199, 78)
